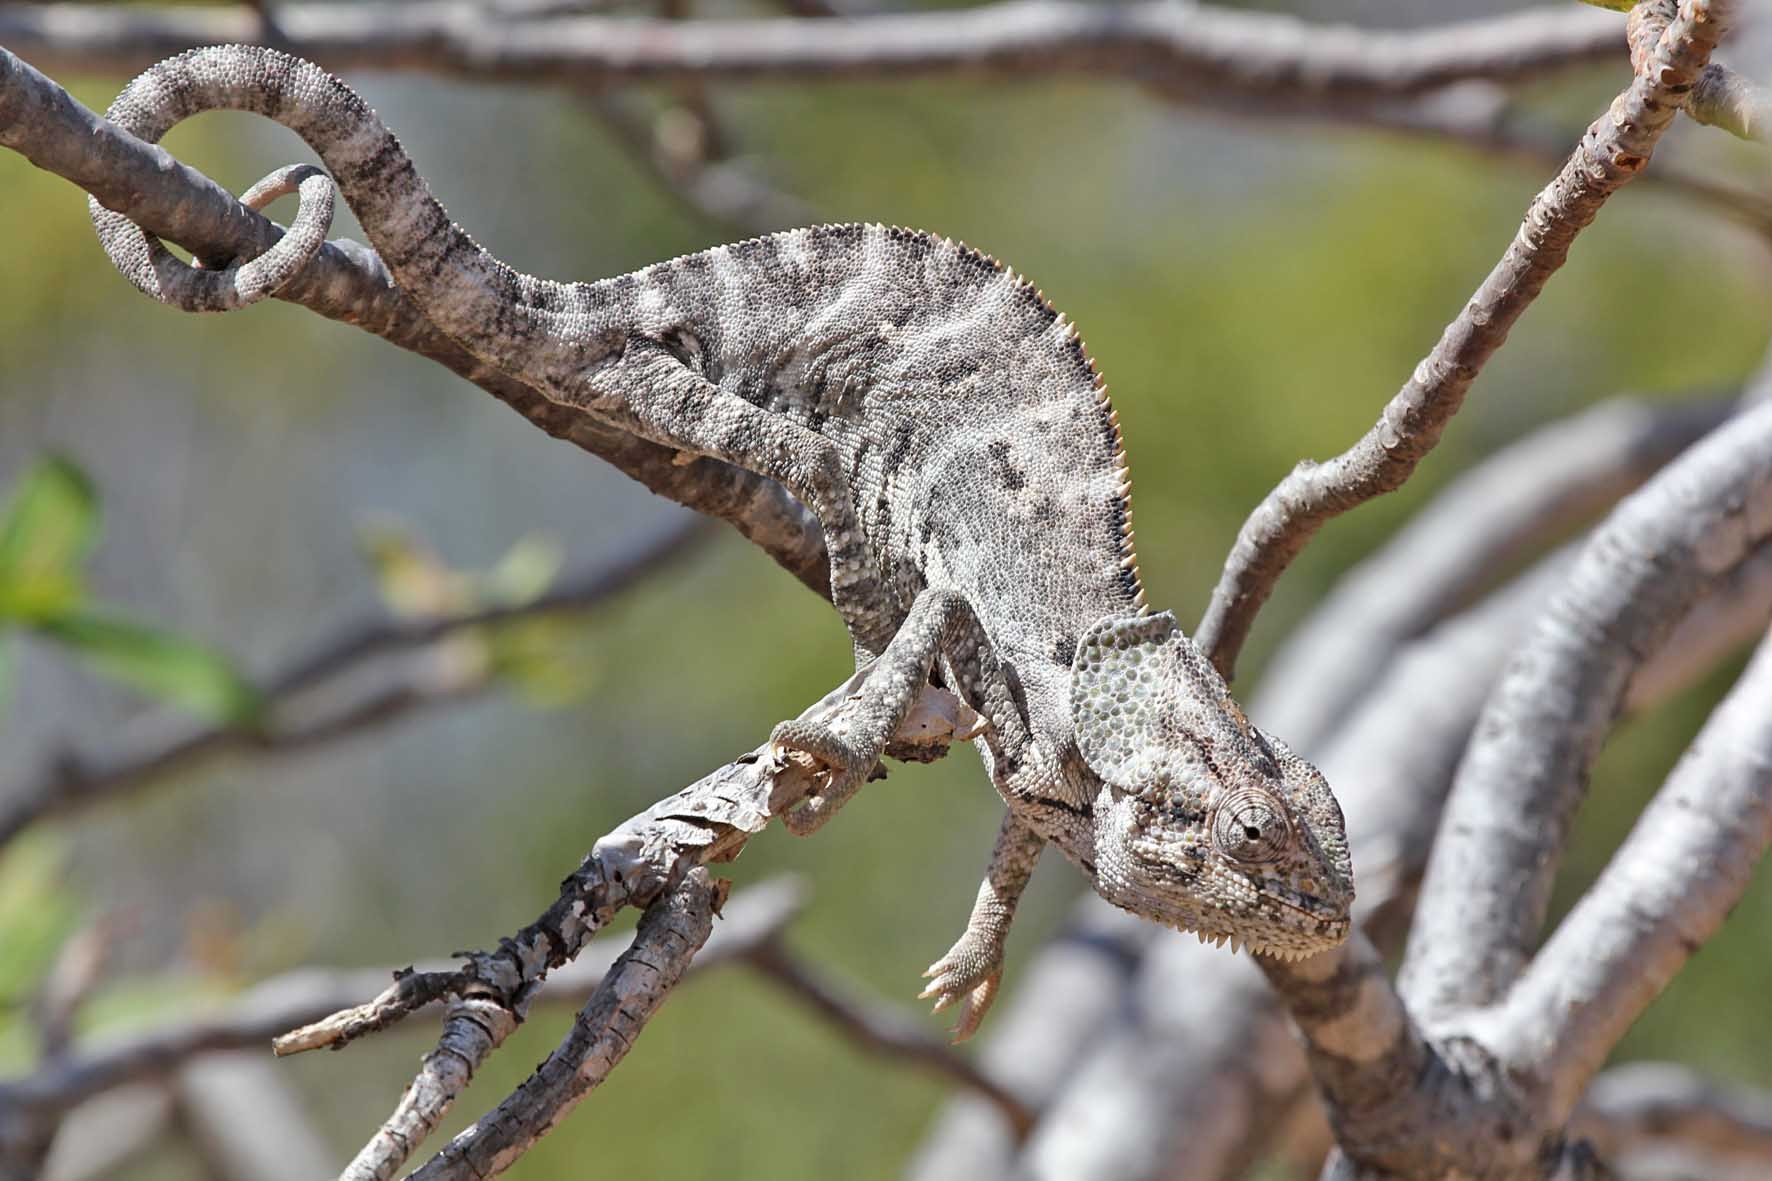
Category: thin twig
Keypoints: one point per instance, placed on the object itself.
(1630, 1106)
(69, 782)
(755, 916)
(885, 1031)
(1520, 495)
(671, 932)
(1738, 105)
(1615, 149)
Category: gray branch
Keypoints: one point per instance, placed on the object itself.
(1511, 502)
(1632, 1107)
(1615, 149)
(1485, 894)
(1665, 892)
(1198, 49)
(671, 932)
(302, 709)
(347, 282)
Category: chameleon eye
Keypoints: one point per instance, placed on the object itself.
(1251, 827)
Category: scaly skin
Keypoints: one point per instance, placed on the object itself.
(948, 430)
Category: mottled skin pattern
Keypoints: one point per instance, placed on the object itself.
(945, 425)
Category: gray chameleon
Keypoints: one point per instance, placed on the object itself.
(954, 440)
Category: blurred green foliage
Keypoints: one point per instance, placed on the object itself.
(45, 532)
(1253, 294)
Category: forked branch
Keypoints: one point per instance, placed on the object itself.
(1615, 149)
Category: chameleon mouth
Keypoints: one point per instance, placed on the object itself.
(1306, 904)
(1268, 951)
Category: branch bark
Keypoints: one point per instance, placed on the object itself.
(1507, 820)
(1518, 497)
(1631, 1106)
(671, 932)
(1665, 892)
(1199, 49)
(1614, 150)
(347, 282)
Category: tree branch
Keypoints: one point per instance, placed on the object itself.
(1665, 892)
(671, 931)
(1486, 891)
(1176, 1091)
(1197, 49)
(1630, 1106)
(346, 281)
(1516, 498)
(884, 1031)
(71, 782)
(1614, 150)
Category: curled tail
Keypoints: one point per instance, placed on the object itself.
(534, 329)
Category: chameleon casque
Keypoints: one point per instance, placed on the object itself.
(952, 437)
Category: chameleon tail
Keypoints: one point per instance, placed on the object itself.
(511, 320)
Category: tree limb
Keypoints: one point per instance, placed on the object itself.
(671, 932)
(1665, 892)
(1615, 148)
(1516, 498)
(346, 281)
(1486, 891)
(1201, 49)
(1641, 1102)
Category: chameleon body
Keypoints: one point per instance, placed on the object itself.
(951, 435)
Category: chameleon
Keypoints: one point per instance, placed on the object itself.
(955, 442)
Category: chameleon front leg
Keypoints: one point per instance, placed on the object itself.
(971, 971)
(939, 620)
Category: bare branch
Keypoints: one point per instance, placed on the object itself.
(670, 933)
(756, 916)
(885, 1031)
(1192, 1085)
(1664, 893)
(1518, 497)
(1615, 149)
(244, 1117)
(1630, 1106)
(1737, 104)
(635, 865)
(708, 186)
(69, 782)
(1485, 894)
(1197, 49)
(1179, 1085)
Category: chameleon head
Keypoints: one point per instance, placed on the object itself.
(1202, 821)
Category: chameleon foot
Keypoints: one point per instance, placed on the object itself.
(967, 975)
(846, 767)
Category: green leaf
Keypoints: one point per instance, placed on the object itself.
(414, 581)
(37, 911)
(51, 523)
(158, 663)
(36, 596)
(525, 572)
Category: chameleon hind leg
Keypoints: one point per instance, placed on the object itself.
(938, 621)
(647, 389)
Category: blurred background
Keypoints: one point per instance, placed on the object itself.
(1253, 290)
